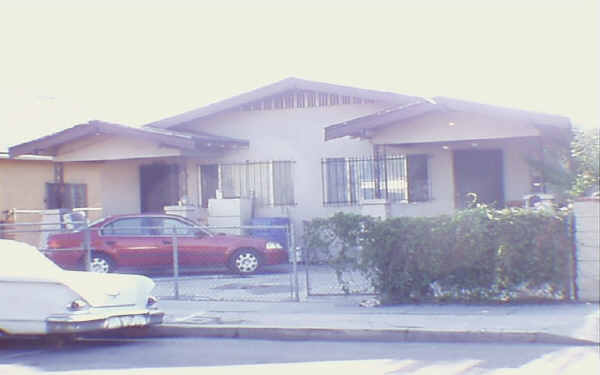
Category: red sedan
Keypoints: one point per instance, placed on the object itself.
(146, 241)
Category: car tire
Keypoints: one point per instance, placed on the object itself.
(245, 262)
(101, 263)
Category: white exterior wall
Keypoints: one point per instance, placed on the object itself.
(440, 169)
(120, 181)
(291, 134)
(298, 135)
(587, 236)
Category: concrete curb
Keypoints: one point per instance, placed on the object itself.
(377, 335)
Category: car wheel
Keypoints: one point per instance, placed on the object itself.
(245, 261)
(101, 263)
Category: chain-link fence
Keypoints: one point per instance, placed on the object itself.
(325, 277)
(185, 260)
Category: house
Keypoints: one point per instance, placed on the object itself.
(303, 149)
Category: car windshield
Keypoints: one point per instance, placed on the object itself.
(92, 223)
(23, 259)
(205, 229)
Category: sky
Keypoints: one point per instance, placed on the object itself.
(65, 62)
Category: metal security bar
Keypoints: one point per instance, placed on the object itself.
(270, 183)
(350, 180)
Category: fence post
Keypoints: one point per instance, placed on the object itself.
(176, 266)
(294, 263)
(572, 259)
(87, 247)
(306, 255)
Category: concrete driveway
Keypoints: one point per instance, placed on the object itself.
(273, 284)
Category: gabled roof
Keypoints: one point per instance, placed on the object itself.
(286, 85)
(48, 145)
(359, 126)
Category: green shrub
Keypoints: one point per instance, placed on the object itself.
(478, 254)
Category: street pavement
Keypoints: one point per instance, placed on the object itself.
(360, 318)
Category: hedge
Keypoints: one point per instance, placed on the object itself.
(478, 254)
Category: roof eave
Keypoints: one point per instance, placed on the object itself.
(49, 145)
(274, 89)
(363, 126)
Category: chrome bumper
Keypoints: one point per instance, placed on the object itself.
(89, 322)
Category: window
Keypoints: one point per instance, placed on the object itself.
(65, 195)
(418, 178)
(171, 227)
(339, 189)
(128, 227)
(269, 183)
(283, 187)
(396, 178)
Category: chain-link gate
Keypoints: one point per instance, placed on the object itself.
(325, 277)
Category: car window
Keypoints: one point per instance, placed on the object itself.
(126, 227)
(171, 227)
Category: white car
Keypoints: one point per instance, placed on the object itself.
(37, 297)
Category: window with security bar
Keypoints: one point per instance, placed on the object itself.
(269, 183)
(65, 195)
(397, 178)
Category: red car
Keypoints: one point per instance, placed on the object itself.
(145, 241)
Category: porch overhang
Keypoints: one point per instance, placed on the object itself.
(93, 131)
(362, 126)
(367, 126)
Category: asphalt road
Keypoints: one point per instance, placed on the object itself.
(229, 356)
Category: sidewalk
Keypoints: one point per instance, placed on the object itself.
(342, 318)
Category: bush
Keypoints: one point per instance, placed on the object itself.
(478, 254)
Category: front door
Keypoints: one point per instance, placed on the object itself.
(478, 172)
(159, 186)
(209, 179)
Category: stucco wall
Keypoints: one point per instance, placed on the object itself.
(587, 236)
(23, 187)
(23, 183)
(120, 187)
(290, 134)
(515, 170)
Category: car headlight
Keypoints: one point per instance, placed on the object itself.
(78, 305)
(271, 245)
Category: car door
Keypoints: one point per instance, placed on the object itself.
(195, 246)
(131, 243)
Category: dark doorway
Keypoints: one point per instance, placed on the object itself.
(479, 172)
(159, 186)
(209, 177)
